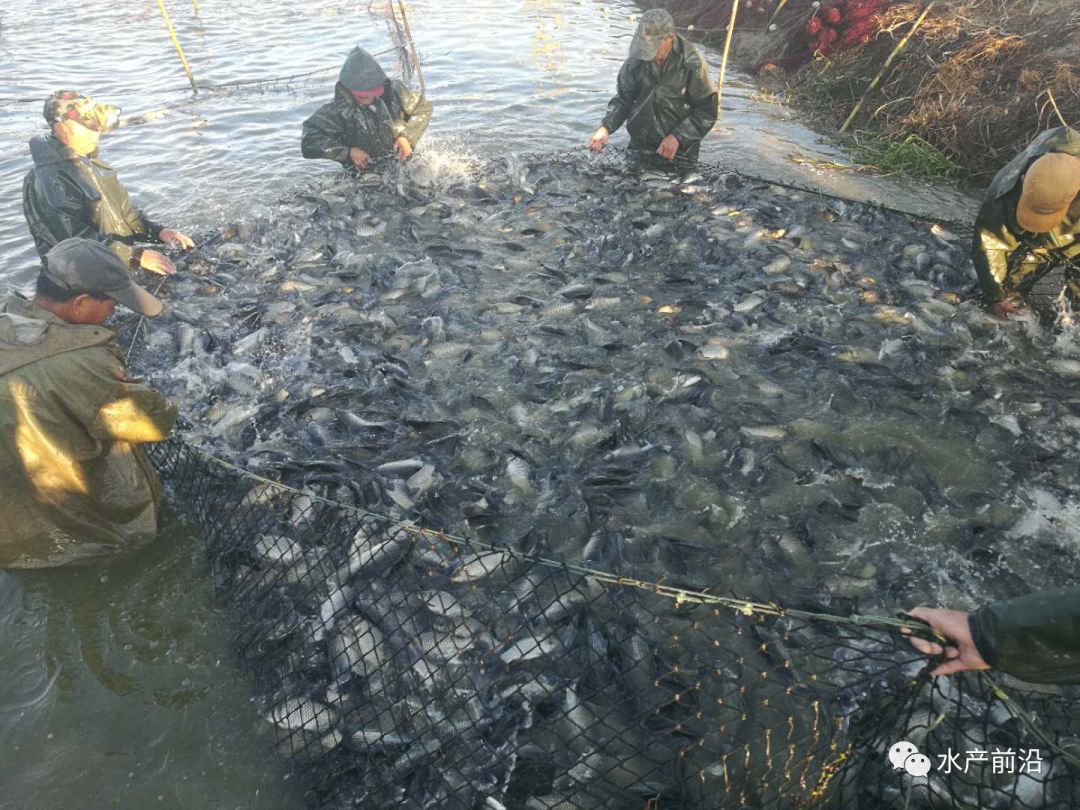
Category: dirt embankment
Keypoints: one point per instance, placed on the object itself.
(976, 82)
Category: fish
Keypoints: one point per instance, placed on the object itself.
(405, 466)
(304, 714)
(714, 383)
(520, 474)
(370, 555)
(531, 647)
(358, 648)
(482, 565)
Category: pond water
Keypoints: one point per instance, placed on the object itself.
(116, 688)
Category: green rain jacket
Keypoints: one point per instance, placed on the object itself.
(67, 195)
(655, 102)
(75, 482)
(1035, 638)
(1005, 255)
(342, 124)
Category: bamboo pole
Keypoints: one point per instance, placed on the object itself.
(877, 79)
(723, 62)
(1053, 102)
(176, 44)
(412, 46)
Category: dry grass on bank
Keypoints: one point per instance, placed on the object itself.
(972, 82)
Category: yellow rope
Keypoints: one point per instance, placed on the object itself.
(723, 62)
(877, 79)
(176, 44)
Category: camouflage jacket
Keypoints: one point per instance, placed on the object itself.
(1005, 255)
(1035, 638)
(655, 102)
(342, 124)
(67, 195)
(75, 482)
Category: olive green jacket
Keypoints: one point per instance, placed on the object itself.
(67, 195)
(1006, 256)
(342, 124)
(655, 102)
(1035, 638)
(75, 482)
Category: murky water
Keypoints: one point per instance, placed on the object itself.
(527, 76)
(115, 682)
(117, 690)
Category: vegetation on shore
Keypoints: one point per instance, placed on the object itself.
(977, 81)
(974, 84)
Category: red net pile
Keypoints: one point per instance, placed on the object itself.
(835, 26)
(714, 16)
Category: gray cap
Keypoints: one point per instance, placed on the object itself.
(85, 266)
(655, 26)
(361, 71)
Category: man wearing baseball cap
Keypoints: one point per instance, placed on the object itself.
(76, 484)
(370, 117)
(1029, 223)
(71, 191)
(664, 94)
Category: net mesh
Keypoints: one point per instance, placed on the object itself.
(467, 675)
(401, 666)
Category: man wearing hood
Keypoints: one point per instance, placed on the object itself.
(370, 117)
(72, 192)
(664, 94)
(76, 484)
(1029, 223)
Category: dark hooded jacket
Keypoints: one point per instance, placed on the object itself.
(1007, 258)
(342, 124)
(75, 481)
(655, 102)
(68, 195)
(1035, 638)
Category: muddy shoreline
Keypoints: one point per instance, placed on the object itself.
(974, 84)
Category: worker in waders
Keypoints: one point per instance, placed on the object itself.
(1029, 223)
(370, 117)
(72, 192)
(76, 484)
(664, 94)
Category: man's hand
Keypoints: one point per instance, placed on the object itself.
(359, 158)
(668, 147)
(157, 263)
(174, 238)
(1007, 306)
(402, 147)
(961, 652)
(599, 140)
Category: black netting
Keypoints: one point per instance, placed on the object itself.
(500, 666)
(400, 667)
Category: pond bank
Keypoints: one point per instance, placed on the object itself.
(976, 82)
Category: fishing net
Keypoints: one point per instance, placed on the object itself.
(834, 26)
(467, 675)
(398, 665)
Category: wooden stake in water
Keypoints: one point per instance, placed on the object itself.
(877, 79)
(412, 46)
(176, 44)
(723, 62)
